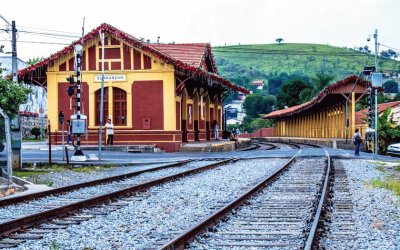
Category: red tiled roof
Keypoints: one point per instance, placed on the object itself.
(258, 82)
(190, 53)
(181, 62)
(321, 96)
(362, 114)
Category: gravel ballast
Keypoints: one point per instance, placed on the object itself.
(376, 211)
(23, 209)
(163, 211)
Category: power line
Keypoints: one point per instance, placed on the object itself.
(36, 42)
(47, 34)
(65, 32)
(386, 46)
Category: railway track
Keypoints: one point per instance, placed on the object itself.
(57, 212)
(57, 191)
(341, 224)
(281, 211)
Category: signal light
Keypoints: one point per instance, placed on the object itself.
(71, 79)
(70, 91)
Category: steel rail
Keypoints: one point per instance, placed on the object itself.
(61, 190)
(180, 241)
(34, 219)
(324, 194)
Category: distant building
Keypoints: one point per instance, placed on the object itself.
(361, 115)
(36, 105)
(6, 65)
(259, 84)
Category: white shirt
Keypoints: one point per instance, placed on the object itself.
(109, 128)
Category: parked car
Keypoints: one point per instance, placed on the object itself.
(394, 149)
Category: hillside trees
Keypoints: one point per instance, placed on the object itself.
(318, 83)
(391, 87)
(288, 95)
(257, 105)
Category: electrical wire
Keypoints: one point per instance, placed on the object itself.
(47, 34)
(36, 42)
(389, 47)
(65, 32)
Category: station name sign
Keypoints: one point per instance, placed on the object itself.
(110, 78)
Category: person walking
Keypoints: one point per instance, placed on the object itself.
(357, 142)
(215, 127)
(110, 132)
(69, 132)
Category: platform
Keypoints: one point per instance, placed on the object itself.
(325, 142)
(214, 146)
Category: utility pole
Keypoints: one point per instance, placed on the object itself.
(101, 93)
(16, 136)
(376, 144)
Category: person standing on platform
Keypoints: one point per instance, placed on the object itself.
(215, 127)
(110, 132)
(357, 142)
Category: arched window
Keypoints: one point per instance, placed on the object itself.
(105, 106)
(119, 98)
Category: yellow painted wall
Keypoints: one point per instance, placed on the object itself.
(158, 71)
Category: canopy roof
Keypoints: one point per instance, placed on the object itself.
(340, 87)
(186, 58)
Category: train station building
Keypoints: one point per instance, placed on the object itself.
(325, 115)
(162, 94)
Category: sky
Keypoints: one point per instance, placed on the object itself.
(343, 23)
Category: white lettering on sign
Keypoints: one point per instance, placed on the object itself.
(110, 78)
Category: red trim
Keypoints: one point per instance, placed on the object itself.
(62, 67)
(146, 62)
(115, 65)
(127, 57)
(137, 61)
(178, 115)
(92, 57)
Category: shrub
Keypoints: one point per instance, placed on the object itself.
(35, 131)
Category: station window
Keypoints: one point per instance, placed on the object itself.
(119, 107)
(105, 106)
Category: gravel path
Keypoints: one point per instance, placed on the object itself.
(376, 211)
(42, 204)
(163, 211)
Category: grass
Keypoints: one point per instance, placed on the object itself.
(380, 168)
(306, 59)
(391, 183)
(34, 174)
(34, 140)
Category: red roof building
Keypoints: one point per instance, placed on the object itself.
(162, 94)
(361, 115)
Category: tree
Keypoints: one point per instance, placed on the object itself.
(388, 131)
(11, 94)
(318, 83)
(279, 40)
(35, 131)
(34, 60)
(391, 87)
(289, 93)
(258, 103)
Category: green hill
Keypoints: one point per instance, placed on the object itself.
(241, 63)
